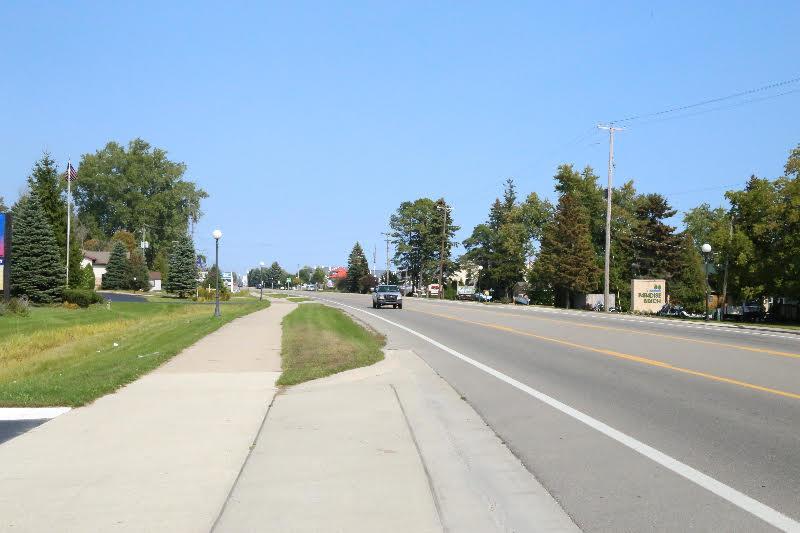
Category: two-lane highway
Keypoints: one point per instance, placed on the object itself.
(631, 424)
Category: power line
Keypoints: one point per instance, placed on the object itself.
(709, 101)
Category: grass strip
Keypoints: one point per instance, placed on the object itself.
(319, 341)
(58, 356)
(276, 295)
(298, 299)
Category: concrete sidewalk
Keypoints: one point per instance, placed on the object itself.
(391, 448)
(161, 454)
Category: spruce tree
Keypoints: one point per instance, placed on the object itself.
(118, 270)
(567, 259)
(36, 267)
(46, 182)
(182, 268)
(140, 275)
(357, 268)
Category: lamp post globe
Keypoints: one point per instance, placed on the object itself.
(217, 234)
(706, 248)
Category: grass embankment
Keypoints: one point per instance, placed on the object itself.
(319, 341)
(276, 295)
(58, 356)
(298, 299)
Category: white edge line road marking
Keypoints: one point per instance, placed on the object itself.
(31, 413)
(739, 499)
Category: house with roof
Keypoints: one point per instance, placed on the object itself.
(99, 261)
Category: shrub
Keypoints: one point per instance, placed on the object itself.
(15, 306)
(205, 294)
(82, 297)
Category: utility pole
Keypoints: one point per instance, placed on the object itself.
(445, 210)
(725, 277)
(374, 259)
(387, 255)
(607, 266)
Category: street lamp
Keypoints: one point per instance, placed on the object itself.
(706, 248)
(217, 234)
(261, 284)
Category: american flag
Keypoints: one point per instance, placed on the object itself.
(71, 174)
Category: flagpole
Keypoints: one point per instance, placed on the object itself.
(69, 195)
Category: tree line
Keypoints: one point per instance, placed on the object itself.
(558, 250)
(119, 191)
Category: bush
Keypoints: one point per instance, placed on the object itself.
(15, 306)
(82, 297)
(208, 295)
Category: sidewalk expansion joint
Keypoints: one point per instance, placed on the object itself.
(434, 494)
(244, 463)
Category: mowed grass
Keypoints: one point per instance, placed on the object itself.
(58, 356)
(275, 295)
(319, 341)
(298, 299)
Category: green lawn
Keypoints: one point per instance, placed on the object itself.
(58, 356)
(319, 341)
(298, 299)
(276, 294)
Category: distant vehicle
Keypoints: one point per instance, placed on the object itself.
(674, 310)
(465, 292)
(433, 289)
(521, 299)
(387, 295)
(751, 311)
(483, 297)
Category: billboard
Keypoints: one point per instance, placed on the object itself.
(648, 295)
(5, 248)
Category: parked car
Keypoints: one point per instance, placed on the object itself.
(674, 310)
(483, 297)
(521, 299)
(387, 295)
(433, 289)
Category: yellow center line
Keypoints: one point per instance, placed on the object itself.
(620, 355)
(651, 334)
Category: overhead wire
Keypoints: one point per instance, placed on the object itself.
(709, 101)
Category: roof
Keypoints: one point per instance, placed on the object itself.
(155, 276)
(97, 257)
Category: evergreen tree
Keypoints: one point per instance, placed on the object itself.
(357, 268)
(3, 208)
(49, 188)
(688, 283)
(655, 243)
(567, 259)
(118, 270)
(140, 275)
(36, 270)
(87, 277)
(182, 268)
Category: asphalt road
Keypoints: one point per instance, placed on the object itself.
(14, 428)
(631, 424)
(122, 297)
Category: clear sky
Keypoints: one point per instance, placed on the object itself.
(309, 122)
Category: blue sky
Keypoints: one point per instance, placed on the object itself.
(309, 122)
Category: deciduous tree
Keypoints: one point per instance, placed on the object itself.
(137, 187)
